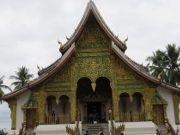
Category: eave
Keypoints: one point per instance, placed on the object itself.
(58, 66)
(131, 65)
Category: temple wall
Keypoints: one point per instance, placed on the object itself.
(167, 95)
(93, 59)
(21, 100)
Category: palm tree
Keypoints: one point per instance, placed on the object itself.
(21, 78)
(2, 86)
(156, 67)
(173, 67)
(165, 65)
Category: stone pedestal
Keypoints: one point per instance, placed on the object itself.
(139, 128)
(59, 129)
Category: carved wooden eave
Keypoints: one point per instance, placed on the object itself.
(168, 86)
(133, 66)
(58, 66)
(136, 68)
(92, 10)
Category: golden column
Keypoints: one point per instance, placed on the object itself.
(41, 107)
(115, 106)
(73, 106)
(148, 109)
(13, 106)
(176, 100)
(24, 117)
(148, 103)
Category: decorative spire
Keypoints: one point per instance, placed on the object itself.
(60, 43)
(39, 68)
(125, 40)
(67, 38)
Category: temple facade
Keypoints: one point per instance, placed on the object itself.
(94, 81)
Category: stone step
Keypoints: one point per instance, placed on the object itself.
(95, 129)
(162, 129)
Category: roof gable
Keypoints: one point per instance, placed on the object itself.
(90, 11)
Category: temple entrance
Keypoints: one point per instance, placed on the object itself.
(94, 112)
(93, 100)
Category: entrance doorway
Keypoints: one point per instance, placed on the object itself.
(94, 112)
(93, 102)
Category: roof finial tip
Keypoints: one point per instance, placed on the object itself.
(91, 1)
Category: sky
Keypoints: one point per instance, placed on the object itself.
(30, 29)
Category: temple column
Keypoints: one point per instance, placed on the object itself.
(24, 117)
(73, 107)
(148, 110)
(41, 107)
(115, 106)
(148, 104)
(176, 100)
(13, 106)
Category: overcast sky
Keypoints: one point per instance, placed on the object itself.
(29, 30)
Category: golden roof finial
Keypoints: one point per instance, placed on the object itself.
(125, 40)
(60, 43)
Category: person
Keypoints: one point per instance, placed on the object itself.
(86, 133)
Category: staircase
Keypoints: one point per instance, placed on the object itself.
(162, 129)
(95, 129)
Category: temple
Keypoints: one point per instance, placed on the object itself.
(92, 82)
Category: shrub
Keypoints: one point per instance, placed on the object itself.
(2, 132)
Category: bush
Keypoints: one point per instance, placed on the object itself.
(2, 132)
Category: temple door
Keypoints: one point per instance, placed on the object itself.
(158, 114)
(31, 117)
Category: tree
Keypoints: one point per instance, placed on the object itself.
(165, 65)
(2, 86)
(21, 77)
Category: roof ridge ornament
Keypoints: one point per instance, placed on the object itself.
(126, 39)
(92, 9)
(91, 1)
(60, 43)
(67, 38)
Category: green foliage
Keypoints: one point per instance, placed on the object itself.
(2, 86)
(165, 65)
(21, 77)
(2, 132)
